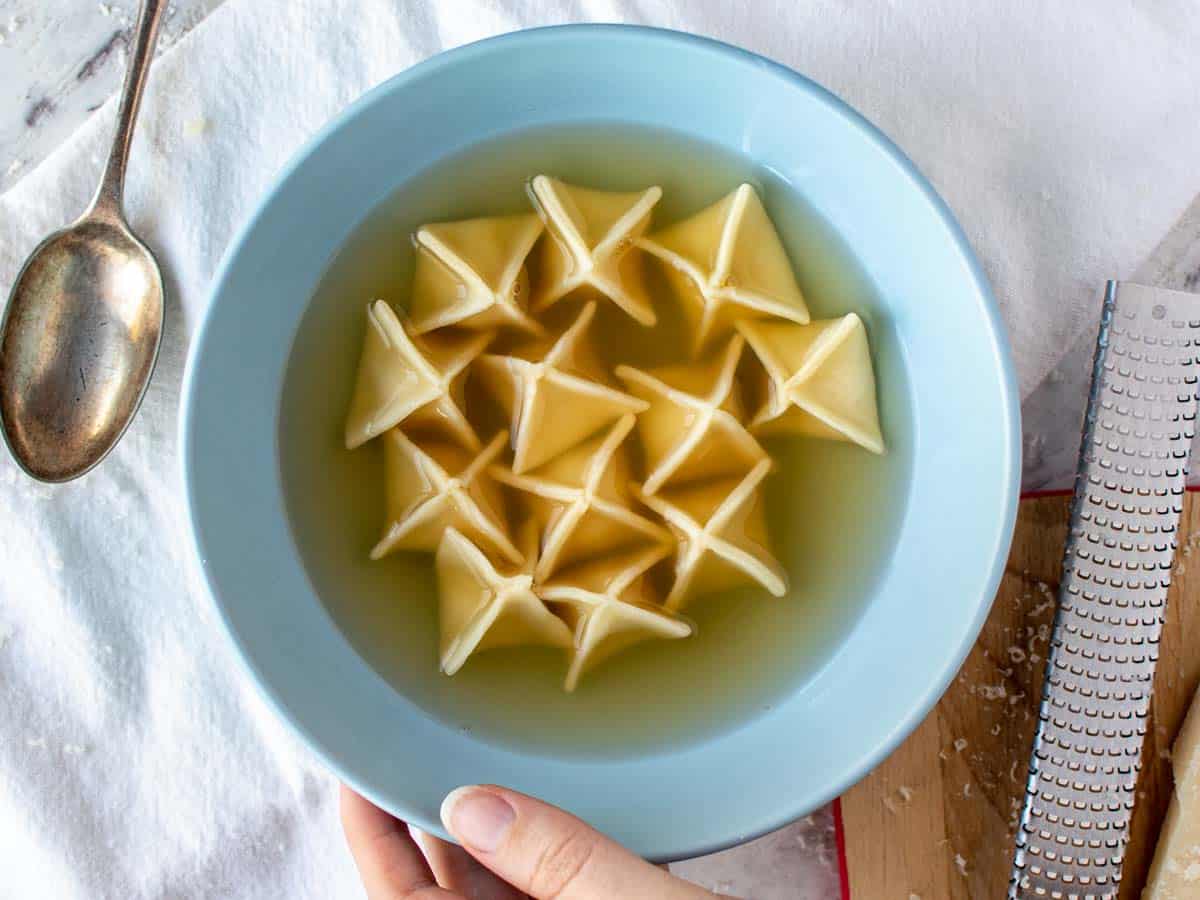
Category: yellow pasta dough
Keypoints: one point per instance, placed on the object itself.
(820, 381)
(722, 534)
(472, 274)
(438, 486)
(482, 607)
(730, 265)
(410, 380)
(591, 244)
(610, 607)
(583, 499)
(692, 429)
(616, 495)
(556, 395)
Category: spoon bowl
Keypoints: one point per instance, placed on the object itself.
(78, 344)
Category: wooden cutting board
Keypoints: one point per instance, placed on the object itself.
(937, 819)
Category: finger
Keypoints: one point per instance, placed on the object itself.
(390, 864)
(456, 869)
(550, 854)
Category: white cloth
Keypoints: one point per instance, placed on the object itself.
(135, 762)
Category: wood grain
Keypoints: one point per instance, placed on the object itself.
(937, 819)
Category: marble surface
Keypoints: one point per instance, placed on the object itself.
(1053, 414)
(60, 58)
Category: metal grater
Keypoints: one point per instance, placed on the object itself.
(1116, 570)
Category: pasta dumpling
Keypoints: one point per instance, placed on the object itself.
(438, 486)
(590, 243)
(411, 380)
(609, 605)
(472, 273)
(693, 428)
(729, 264)
(582, 497)
(820, 381)
(722, 532)
(482, 607)
(555, 396)
(561, 531)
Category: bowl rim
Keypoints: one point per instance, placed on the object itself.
(1000, 361)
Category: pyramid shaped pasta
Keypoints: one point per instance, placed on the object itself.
(693, 427)
(581, 570)
(582, 498)
(608, 604)
(410, 380)
(482, 607)
(440, 486)
(729, 264)
(722, 532)
(555, 397)
(820, 381)
(591, 237)
(472, 273)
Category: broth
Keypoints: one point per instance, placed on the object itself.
(833, 508)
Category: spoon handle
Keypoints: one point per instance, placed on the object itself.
(107, 202)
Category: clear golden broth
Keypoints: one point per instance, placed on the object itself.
(833, 508)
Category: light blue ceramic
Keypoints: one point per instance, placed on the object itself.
(954, 535)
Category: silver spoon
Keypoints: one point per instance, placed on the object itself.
(83, 323)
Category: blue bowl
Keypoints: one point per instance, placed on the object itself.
(929, 598)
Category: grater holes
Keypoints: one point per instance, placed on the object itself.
(1142, 412)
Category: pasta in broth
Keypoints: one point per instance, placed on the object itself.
(550, 537)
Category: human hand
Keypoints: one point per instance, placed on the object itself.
(513, 847)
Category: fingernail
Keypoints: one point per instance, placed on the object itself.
(478, 818)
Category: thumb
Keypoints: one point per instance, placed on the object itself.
(549, 854)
